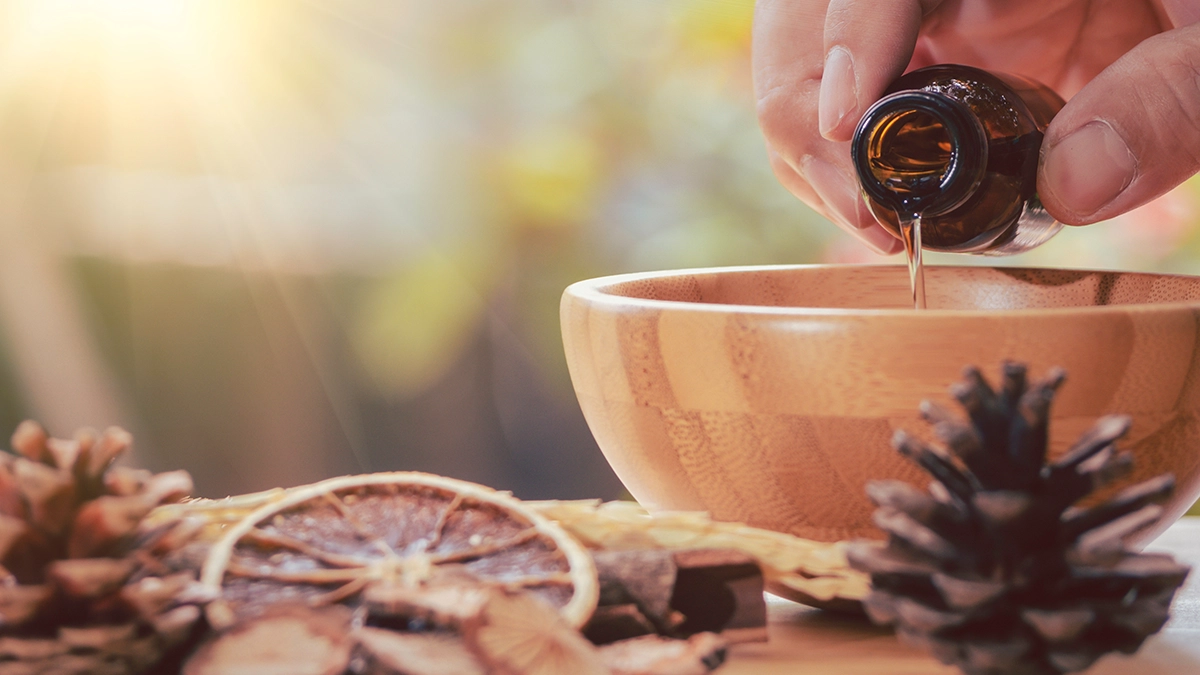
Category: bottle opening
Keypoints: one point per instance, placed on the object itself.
(911, 154)
(918, 152)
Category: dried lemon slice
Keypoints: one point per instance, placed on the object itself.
(334, 540)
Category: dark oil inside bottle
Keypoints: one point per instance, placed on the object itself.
(910, 156)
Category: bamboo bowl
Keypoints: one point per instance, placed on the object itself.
(769, 395)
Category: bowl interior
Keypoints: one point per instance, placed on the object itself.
(887, 287)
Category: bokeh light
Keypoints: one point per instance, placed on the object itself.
(282, 239)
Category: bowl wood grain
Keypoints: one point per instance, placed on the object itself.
(769, 395)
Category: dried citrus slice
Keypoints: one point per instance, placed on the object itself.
(345, 538)
(517, 634)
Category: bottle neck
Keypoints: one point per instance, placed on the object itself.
(918, 152)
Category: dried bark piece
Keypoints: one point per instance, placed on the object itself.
(811, 572)
(654, 655)
(613, 623)
(291, 640)
(519, 634)
(385, 652)
(682, 593)
(333, 541)
(720, 591)
(645, 578)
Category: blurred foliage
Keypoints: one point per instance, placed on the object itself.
(319, 237)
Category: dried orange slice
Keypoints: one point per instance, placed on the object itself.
(517, 634)
(345, 538)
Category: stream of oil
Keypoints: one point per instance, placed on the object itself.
(910, 232)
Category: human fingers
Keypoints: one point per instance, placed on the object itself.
(1130, 135)
(874, 236)
(867, 45)
(788, 61)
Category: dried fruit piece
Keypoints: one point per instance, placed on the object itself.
(361, 539)
(811, 572)
(653, 655)
(385, 652)
(288, 640)
(519, 634)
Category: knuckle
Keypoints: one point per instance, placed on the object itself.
(788, 120)
(1172, 96)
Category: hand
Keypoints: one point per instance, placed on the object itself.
(1130, 70)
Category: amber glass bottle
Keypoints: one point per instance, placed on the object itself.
(958, 146)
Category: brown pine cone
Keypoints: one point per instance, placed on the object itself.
(996, 569)
(78, 591)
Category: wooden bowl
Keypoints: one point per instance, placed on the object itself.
(769, 395)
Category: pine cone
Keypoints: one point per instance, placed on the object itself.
(996, 569)
(77, 591)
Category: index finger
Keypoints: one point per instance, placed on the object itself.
(867, 46)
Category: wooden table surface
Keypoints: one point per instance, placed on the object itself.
(808, 641)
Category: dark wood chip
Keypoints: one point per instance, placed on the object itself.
(610, 623)
(645, 578)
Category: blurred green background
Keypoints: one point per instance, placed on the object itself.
(285, 239)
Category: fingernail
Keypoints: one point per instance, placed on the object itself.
(839, 190)
(839, 90)
(1089, 168)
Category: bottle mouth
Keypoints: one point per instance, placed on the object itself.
(919, 152)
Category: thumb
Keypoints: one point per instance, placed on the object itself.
(1130, 135)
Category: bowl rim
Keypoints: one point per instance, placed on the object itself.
(593, 291)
